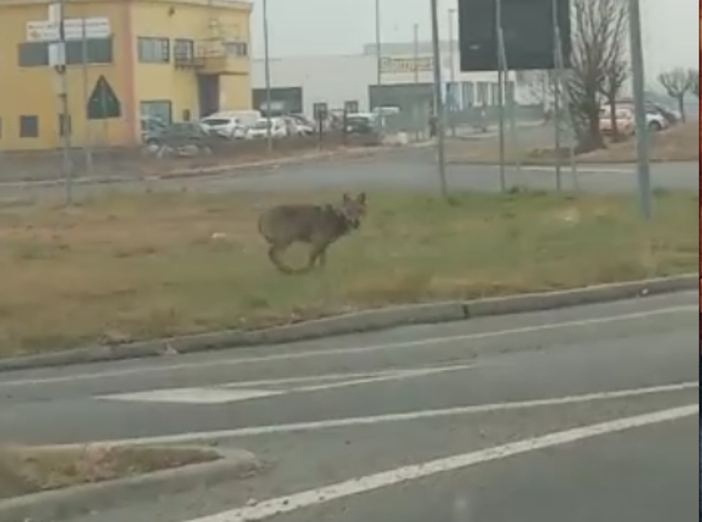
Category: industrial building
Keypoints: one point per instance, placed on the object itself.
(171, 59)
(307, 84)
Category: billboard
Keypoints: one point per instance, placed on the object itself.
(527, 28)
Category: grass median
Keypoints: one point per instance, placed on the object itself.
(25, 469)
(119, 268)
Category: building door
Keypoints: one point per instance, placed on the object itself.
(208, 93)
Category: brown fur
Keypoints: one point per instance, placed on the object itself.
(319, 226)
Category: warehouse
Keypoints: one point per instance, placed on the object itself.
(308, 84)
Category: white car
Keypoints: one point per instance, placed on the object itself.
(279, 129)
(224, 126)
(300, 127)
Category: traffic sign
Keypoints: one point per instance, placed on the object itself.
(103, 103)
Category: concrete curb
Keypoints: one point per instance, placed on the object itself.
(581, 163)
(217, 170)
(359, 322)
(54, 506)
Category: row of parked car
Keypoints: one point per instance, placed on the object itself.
(248, 125)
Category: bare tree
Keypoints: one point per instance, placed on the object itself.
(694, 82)
(616, 66)
(539, 89)
(597, 64)
(676, 83)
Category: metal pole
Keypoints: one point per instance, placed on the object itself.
(452, 73)
(86, 93)
(267, 66)
(637, 77)
(65, 112)
(556, 94)
(563, 91)
(438, 102)
(378, 50)
(418, 113)
(509, 100)
(501, 99)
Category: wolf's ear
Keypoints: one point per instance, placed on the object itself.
(361, 198)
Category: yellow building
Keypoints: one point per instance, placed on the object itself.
(172, 59)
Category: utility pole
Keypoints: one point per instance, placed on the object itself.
(637, 77)
(556, 82)
(417, 112)
(452, 73)
(438, 101)
(86, 93)
(378, 50)
(267, 66)
(65, 127)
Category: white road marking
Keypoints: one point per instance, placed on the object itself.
(222, 394)
(192, 395)
(253, 431)
(330, 352)
(581, 169)
(314, 497)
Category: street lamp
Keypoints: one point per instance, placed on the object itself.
(452, 73)
(438, 101)
(378, 53)
(267, 67)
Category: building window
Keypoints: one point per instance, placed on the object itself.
(64, 125)
(468, 94)
(509, 92)
(33, 54)
(97, 50)
(483, 91)
(240, 49)
(157, 110)
(29, 126)
(183, 51)
(36, 54)
(351, 107)
(154, 50)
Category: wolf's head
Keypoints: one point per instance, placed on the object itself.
(352, 209)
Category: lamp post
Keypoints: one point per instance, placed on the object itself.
(267, 67)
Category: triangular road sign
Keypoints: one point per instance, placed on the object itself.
(103, 102)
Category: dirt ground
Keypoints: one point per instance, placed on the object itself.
(25, 470)
(119, 268)
(679, 143)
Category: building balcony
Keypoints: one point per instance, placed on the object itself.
(222, 57)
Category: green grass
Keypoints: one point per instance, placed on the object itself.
(121, 268)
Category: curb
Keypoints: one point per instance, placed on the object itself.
(79, 500)
(361, 322)
(565, 163)
(217, 170)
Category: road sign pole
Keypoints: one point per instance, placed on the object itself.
(438, 99)
(65, 112)
(637, 77)
(267, 66)
(86, 93)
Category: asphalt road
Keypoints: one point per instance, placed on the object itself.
(586, 413)
(413, 169)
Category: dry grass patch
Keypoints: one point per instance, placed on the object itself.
(679, 143)
(123, 267)
(25, 470)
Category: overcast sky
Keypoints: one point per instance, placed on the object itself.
(311, 27)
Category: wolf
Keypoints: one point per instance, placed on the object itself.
(319, 226)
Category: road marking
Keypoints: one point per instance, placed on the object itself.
(354, 349)
(581, 169)
(371, 420)
(314, 497)
(222, 394)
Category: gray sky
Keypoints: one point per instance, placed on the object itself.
(312, 27)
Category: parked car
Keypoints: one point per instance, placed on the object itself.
(299, 126)
(279, 129)
(179, 135)
(361, 123)
(227, 126)
(626, 121)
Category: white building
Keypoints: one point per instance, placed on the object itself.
(305, 84)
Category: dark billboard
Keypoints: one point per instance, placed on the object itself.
(528, 30)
